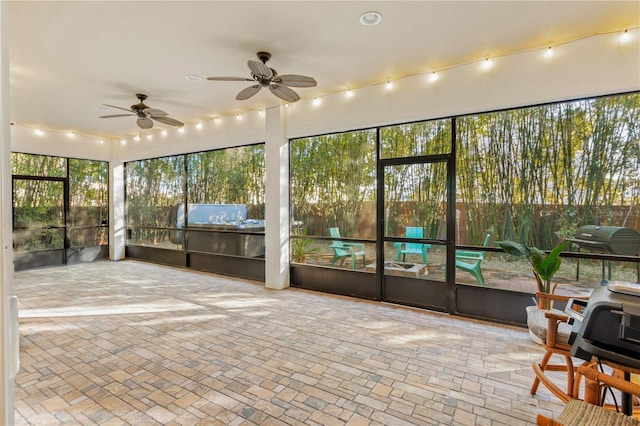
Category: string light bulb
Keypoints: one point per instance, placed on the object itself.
(349, 93)
(625, 36)
(487, 63)
(389, 85)
(181, 129)
(316, 101)
(163, 132)
(548, 53)
(198, 126)
(39, 132)
(434, 76)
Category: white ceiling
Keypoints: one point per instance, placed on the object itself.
(69, 58)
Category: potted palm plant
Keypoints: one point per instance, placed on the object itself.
(544, 267)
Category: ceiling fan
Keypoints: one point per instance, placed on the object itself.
(268, 77)
(145, 114)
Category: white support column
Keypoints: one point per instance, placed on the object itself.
(277, 200)
(117, 225)
(8, 312)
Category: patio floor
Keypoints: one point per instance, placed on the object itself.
(115, 343)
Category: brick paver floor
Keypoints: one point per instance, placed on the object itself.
(113, 343)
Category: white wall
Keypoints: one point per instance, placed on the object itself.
(8, 319)
(59, 144)
(227, 131)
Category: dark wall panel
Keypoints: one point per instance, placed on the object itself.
(241, 267)
(336, 281)
(508, 307)
(156, 255)
(415, 292)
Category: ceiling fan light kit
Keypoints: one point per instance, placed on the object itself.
(265, 76)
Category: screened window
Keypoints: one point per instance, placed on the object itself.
(333, 193)
(210, 202)
(38, 165)
(535, 175)
(88, 203)
(416, 139)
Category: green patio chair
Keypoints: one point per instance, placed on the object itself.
(342, 250)
(470, 261)
(413, 248)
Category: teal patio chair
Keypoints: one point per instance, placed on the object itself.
(470, 261)
(413, 248)
(342, 250)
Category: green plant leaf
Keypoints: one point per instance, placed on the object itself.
(513, 248)
(544, 265)
(551, 263)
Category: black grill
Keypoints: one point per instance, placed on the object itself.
(608, 239)
(609, 327)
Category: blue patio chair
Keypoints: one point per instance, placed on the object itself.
(342, 250)
(413, 248)
(470, 261)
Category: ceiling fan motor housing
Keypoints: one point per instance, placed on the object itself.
(264, 56)
(140, 106)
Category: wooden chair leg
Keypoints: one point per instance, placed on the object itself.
(546, 421)
(543, 366)
(570, 373)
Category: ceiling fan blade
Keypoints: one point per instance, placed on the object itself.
(294, 80)
(144, 123)
(229, 79)
(153, 112)
(259, 69)
(168, 120)
(117, 107)
(284, 93)
(248, 92)
(116, 115)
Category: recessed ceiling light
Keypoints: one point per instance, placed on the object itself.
(193, 77)
(370, 18)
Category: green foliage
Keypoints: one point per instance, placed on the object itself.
(38, 204)
(301, 248)
(38, 165)
(231, 176)
(332, 180)
(544, 265)
(537, 173)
